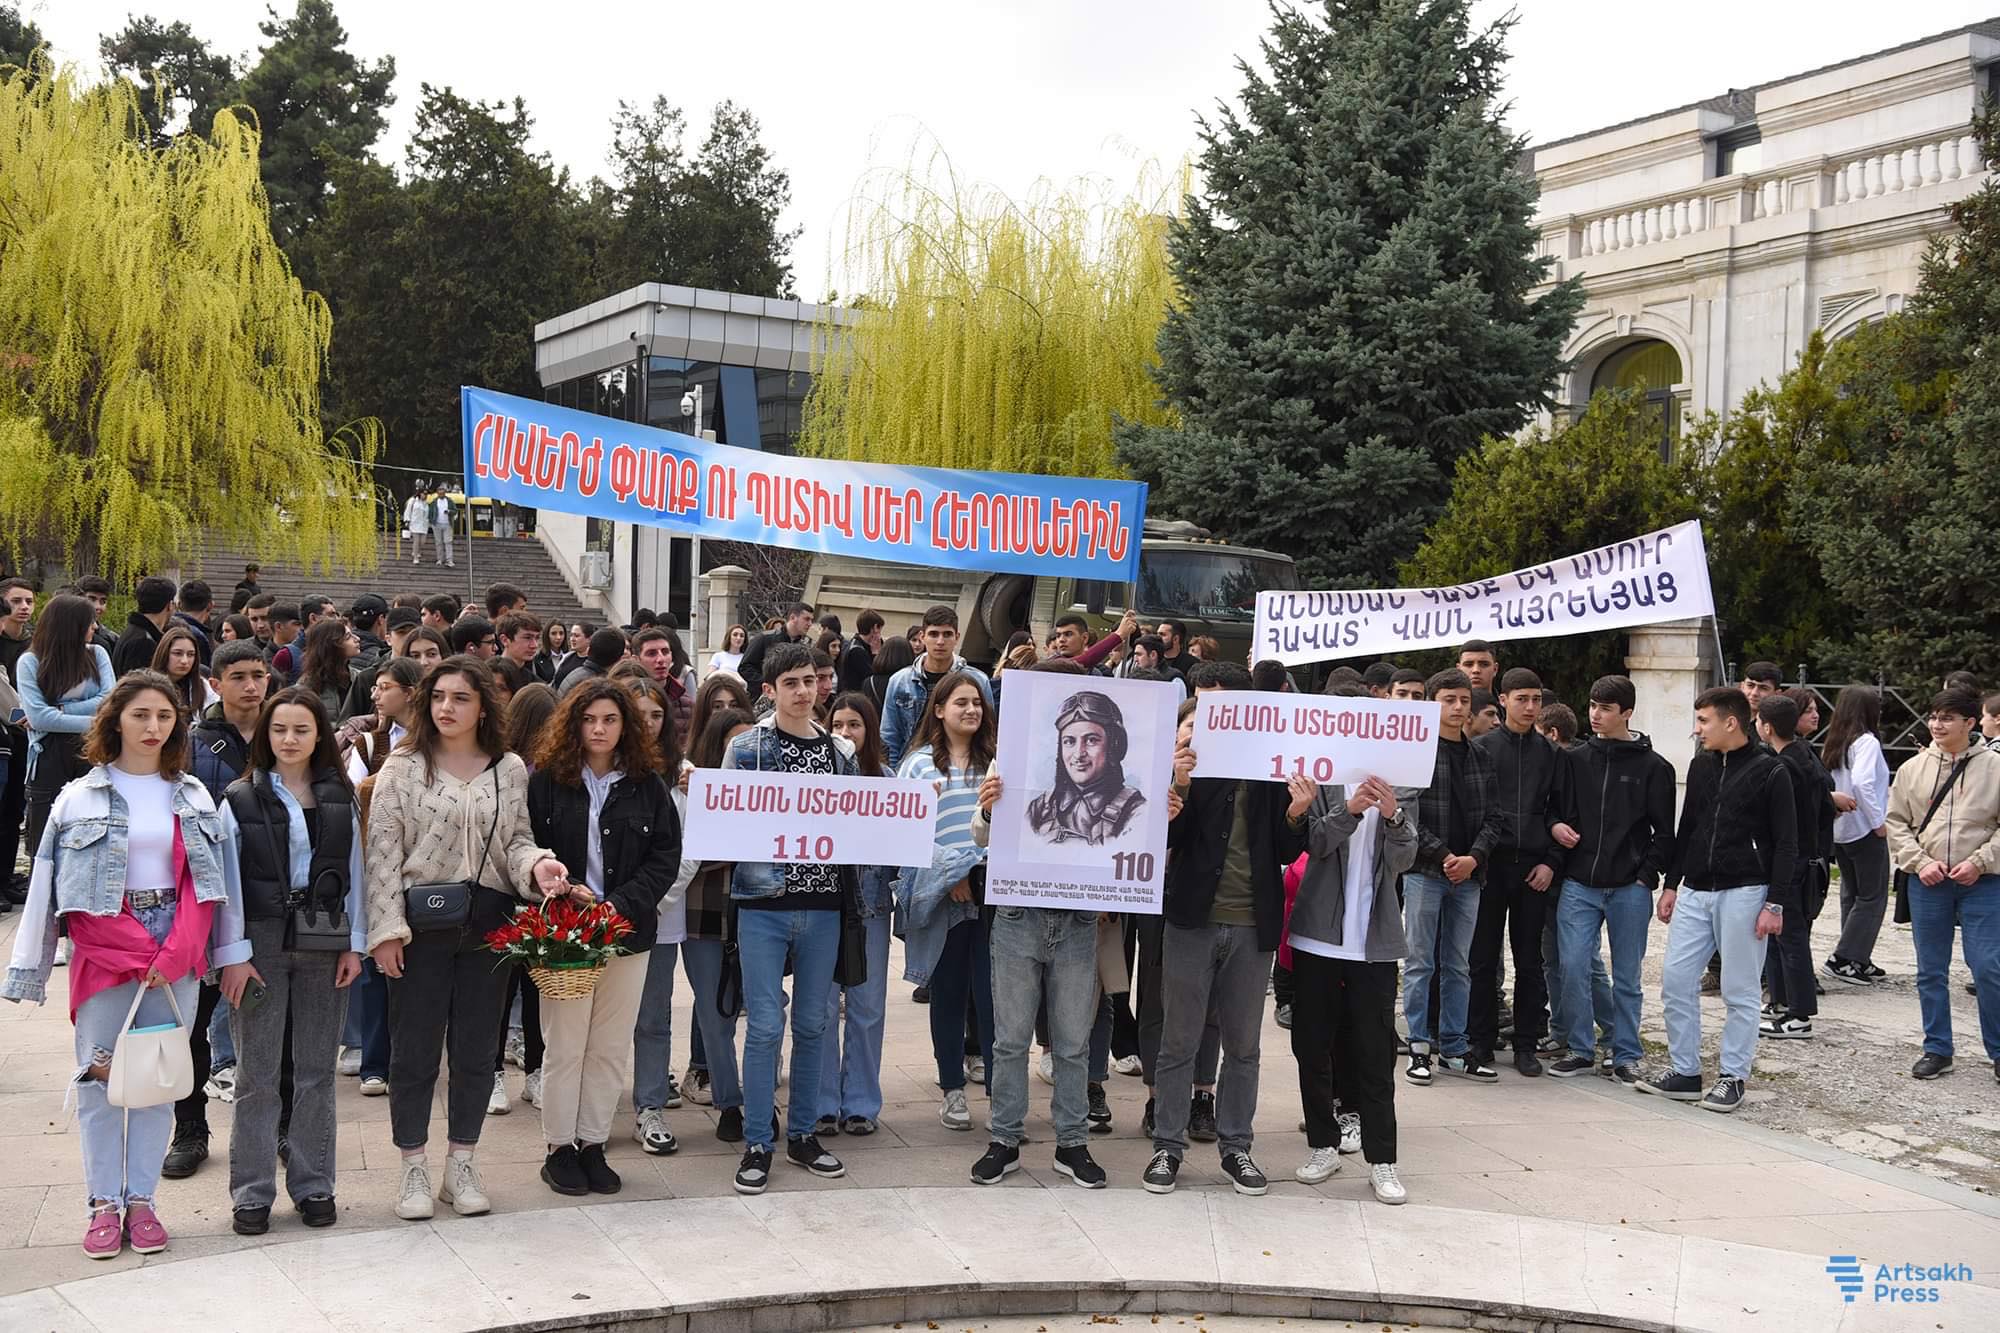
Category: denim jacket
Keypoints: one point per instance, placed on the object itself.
(924, 905)
(80, 867)
(903, 705)
(757, 749)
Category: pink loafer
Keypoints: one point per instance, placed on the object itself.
(105, 1236)
(143, 1229)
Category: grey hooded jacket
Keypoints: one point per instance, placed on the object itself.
(1318, 912)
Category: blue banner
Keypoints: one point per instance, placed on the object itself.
(547, 457)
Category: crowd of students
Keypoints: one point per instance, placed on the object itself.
(243, 828)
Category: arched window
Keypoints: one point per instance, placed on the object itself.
(1653, 366)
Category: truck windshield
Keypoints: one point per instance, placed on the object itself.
(1218, 585)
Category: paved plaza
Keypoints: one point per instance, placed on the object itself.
(1571, 1198)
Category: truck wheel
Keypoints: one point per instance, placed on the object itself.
(1003, 607)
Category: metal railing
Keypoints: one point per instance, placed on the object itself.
(1905, 714)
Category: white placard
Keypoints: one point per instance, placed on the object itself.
(1660, 576)
(1334, 740)
(1082, 820)
(738, 814)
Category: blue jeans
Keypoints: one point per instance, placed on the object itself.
(1590, 1000)
(965, 968)
(1560, 1020)
(653, 1033)
(703, 961)
(851, 1071)
(766, 939)
(221, 1040)
(1436, 910)
(1034, 949)
(368, 1020)
(1975, 910)
(1706, 923)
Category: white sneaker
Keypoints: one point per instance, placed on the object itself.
(462, 1187)
(953, 1113)
(373, 1086)
(1382, 1175)
(531, 1089)
(975, 1070)
(517, 1049)
(1045, 1068)
(62, 952)
(414, 1204)
(1127, 1064)
(1322, 1164)
(498, 1104)
(695, 1087)
(349, 1062)
(221, 1084)
(1350, 1132)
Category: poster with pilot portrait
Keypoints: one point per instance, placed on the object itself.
(1085, 762)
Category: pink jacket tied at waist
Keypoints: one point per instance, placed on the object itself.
(108, 951)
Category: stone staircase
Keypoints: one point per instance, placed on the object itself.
(521, 561)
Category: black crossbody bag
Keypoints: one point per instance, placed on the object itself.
(314, 922)
(1903, 878)
(446, 904)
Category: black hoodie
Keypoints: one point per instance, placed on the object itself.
(1619, 797)
(1738, 824)
(1527, 770)
(136, 644)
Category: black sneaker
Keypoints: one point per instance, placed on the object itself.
(1787, 1027)
(1160, 1172)
(1100, 1110)
(826, 1124)
(753, 1173)
(1725, 1096)
(1854, 974)
(1570, 1066)
(562, 1171)
(250, 1221)
(1080, 1166)
(597, 1172)
(921, 995)
(1243, 1173)
(1284, 1016)
(1874, 973)
(999, 1162)
(673, 1102)
(318, 1210)
(807, 1153)
(1201, 1119)
(1146, 1125)
(1930, 1066)
(189, 1151)
(1526, 1063)
(1674, 1087)
(1626, 1075)
(1470, 1066)
(1419, 1071)
(729, 1125)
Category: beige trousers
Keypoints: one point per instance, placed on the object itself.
(588, 1061)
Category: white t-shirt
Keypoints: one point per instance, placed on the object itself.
(149, 853)
(1358, 887)
(731, 662)
(1865, 777)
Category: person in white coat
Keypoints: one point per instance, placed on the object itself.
(416, 522)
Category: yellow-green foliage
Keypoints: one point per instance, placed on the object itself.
(159, 364)
(991, 333)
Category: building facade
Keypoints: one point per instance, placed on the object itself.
(1713, 239)
(638, 356)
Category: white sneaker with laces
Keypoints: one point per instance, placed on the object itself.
(1382, 1175)
(1045, 1068)
(975, 1070)
(498, 1103)
(1350, 1132)
(517, 1049)
(953, 1113)
(373, 1086)
(531, 1089)
(349, 1063)
(1127, 1064)
(463, 1189)
(414, 1203)
(221, 1084)
(1321, 1165)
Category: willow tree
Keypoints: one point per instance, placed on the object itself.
(993, 333)
(159, 364)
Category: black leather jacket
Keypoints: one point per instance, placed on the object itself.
(640, 834)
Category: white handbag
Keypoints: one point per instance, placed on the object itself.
(151, 1066)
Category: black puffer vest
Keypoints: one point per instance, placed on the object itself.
(265, 838)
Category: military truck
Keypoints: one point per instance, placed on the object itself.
(1186, 573)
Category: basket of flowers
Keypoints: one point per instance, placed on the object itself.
(564, 944)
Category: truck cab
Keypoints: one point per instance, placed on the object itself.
(1185, 573)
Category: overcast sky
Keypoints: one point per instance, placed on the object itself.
(1013, 90)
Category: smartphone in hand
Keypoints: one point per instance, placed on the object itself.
(254, 992)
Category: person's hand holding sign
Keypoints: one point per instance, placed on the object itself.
(1302, 790)
(989, 791)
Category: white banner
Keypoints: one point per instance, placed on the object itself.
(1330, 739)
(742, 815)
(1086, 762)
(1660, 576)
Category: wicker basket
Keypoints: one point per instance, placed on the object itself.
(567, 981)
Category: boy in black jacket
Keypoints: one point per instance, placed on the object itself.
(1788, 970)
(1738, 838)
(1617, 837)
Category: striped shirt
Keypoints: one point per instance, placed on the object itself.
(958, 802)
